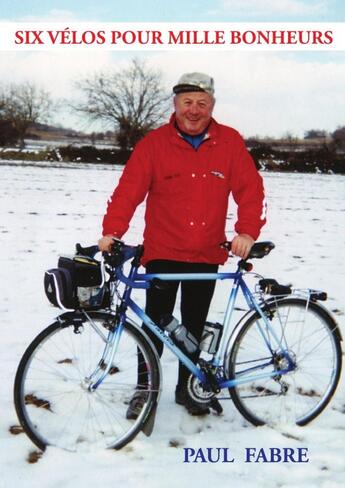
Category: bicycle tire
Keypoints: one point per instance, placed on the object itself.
(51, 397)
(313, 339)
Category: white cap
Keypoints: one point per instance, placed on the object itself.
(190, 82)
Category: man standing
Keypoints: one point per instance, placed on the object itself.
(187, 169)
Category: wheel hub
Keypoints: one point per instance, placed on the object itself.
(85, 384)
(283, 361)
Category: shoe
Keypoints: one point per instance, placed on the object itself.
(136, 404)
(182, 397)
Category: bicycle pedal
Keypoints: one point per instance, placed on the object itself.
(216, 406)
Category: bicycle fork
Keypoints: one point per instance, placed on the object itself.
(111, 341)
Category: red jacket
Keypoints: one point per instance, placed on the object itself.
(187, 194)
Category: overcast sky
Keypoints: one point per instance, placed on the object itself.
(177, 10)
(264, 93)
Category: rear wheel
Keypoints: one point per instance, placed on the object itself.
(311, 338)
(52, 399)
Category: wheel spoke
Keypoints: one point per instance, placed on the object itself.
(307, 334)
(53, 400)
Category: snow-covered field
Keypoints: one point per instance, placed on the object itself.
(44, 211)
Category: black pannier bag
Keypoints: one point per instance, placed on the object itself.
(77, 283)
(60, 288)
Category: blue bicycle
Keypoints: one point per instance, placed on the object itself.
(280, 364)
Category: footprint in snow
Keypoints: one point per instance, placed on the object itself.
(190, 424)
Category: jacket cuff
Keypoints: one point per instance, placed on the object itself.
(252, 232)
(107, 232)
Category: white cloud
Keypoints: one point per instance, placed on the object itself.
(271, 7)
(54, 15)
(56, 72)
(267, 93)
(51, 70)
(257, 93)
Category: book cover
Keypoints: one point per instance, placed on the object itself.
(278, 70)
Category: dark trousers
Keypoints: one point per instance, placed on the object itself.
(196, 297)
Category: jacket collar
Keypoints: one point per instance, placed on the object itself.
(212, 132)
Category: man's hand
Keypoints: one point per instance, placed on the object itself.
(106, 242)
(241, 245)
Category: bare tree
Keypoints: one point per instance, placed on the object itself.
(315, 134)
(22, 105)
(339, 137)
(131, 101)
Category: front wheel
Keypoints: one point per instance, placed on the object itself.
(52, 396)
(308, 334)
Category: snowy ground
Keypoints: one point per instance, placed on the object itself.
(44, 211)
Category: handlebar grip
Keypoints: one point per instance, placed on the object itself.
(89, 251)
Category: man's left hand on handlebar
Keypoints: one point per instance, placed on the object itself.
(241, 245)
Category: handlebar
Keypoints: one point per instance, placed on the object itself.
(121, 252)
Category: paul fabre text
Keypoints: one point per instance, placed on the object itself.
(250, 455)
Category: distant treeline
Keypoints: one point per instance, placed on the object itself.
(324, 159)
(70, 153)
(297, 158)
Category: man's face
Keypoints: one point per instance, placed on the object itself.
(193, 111)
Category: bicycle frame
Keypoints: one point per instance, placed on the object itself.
(136, 280)
(282, 331)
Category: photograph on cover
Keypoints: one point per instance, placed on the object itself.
(69, 121)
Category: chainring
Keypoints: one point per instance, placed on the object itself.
(197, 392)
